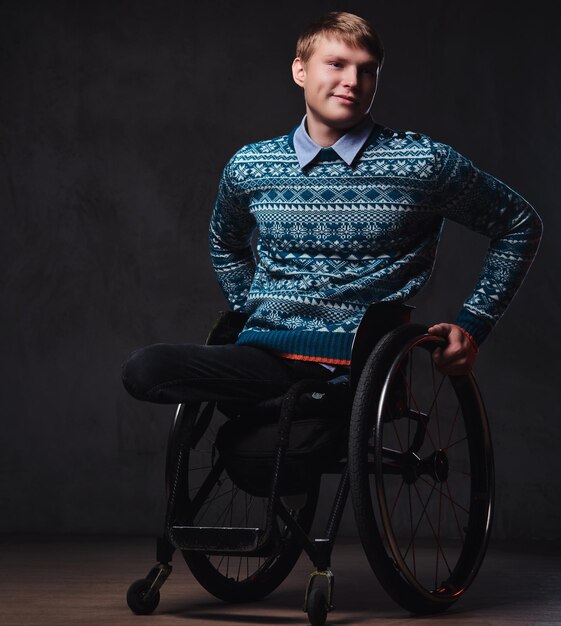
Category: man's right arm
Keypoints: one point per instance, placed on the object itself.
(231, 227)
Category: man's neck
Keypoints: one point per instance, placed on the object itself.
(322, 134)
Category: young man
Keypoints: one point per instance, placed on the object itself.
(348, 213)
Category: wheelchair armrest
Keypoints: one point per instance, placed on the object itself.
(226, 328)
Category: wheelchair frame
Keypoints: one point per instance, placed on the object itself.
(385, 347)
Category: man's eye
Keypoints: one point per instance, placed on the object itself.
(335, 64)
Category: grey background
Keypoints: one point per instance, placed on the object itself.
(115, 121)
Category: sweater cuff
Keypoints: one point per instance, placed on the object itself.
(477, 327)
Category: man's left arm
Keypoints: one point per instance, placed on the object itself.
(487, 206)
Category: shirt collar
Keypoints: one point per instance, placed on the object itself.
(347, 147)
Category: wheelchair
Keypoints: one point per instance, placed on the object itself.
(413, 449)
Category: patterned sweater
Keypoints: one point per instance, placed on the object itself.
(333, 238)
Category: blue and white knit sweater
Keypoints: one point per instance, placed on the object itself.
(333, 238)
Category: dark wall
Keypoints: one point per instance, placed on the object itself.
(115, 121)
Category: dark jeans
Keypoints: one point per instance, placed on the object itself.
(174, 373)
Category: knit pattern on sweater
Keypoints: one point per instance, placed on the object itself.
(333, 238)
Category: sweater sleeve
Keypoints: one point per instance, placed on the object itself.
(469, 196)
(230, 231)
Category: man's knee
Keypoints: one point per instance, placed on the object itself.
(142, 370)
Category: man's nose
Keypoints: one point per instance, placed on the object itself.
(350, 76)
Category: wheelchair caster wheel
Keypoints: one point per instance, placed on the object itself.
(139, 602)
(317, 607)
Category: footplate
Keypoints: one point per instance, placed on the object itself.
(218, 540)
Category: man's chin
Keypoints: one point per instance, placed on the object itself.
(345, 122)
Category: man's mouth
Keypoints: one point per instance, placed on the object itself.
(345, 98)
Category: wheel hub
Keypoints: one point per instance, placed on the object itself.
(435, 465)
(440, 466)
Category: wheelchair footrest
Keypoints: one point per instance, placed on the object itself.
(227, 540)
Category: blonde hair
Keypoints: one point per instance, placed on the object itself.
(352, 29)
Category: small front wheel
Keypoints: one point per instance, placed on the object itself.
(317, 607)
(138, 599)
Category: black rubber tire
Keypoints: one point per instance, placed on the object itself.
(238, 578)
(317, 607)
(136, 597)
(393, 513)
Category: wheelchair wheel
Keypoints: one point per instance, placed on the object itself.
(138, 600)
(422, 477)
(214, 500)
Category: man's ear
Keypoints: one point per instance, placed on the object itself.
(298, 72)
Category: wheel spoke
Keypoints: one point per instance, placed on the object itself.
(455, 443)
(425, 417)
(438, 544)
(240, 567)
(412, 533)
(453, 426)
(211, 501)
(219, 565)
(410, 386)
(397, 435)
(433, 376)
(436, 393)
(448, 497)
(396, 498)
(453, 505)
(227, 509)
(420, 519)
(456, 471)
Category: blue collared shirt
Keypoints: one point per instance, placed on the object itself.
(347, 147)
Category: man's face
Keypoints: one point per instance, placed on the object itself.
(339, 83)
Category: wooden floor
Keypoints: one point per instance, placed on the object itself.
(83, 580)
